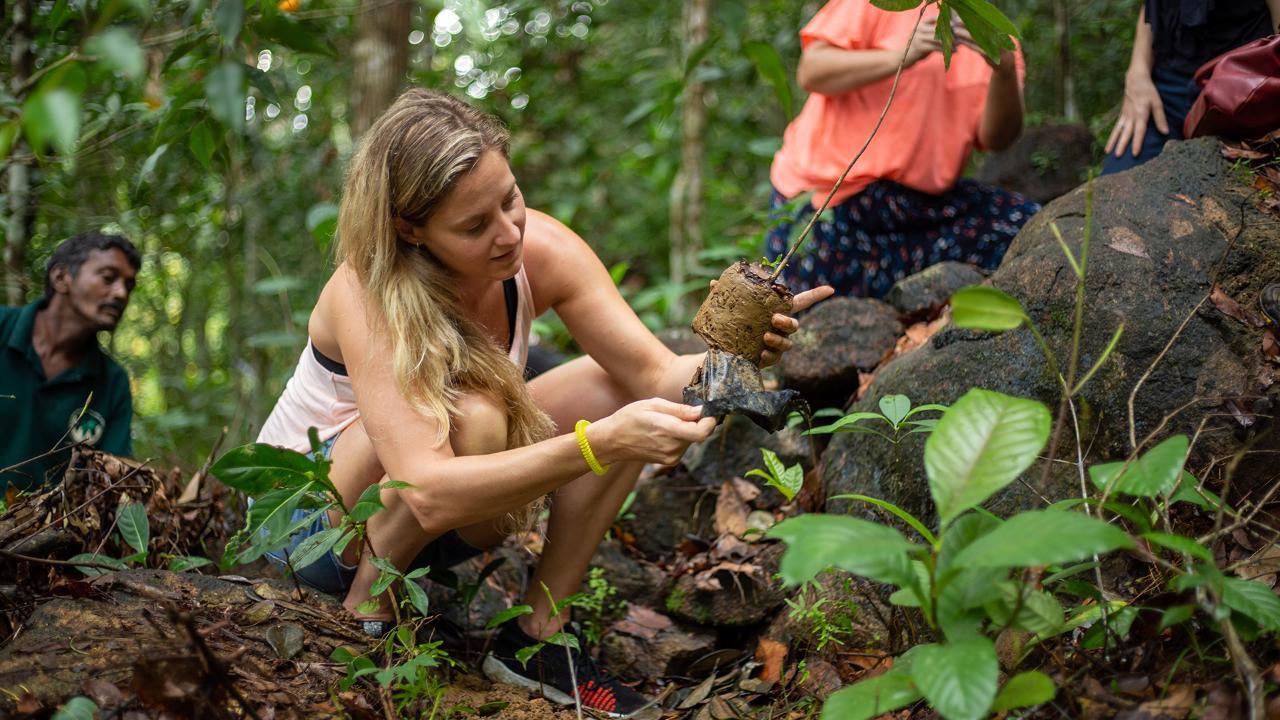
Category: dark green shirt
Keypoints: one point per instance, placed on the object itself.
(38, 414)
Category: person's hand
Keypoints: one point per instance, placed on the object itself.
(653, 430)
(1141, 103)
(922, 42)
(776, 341)
(1005, 63)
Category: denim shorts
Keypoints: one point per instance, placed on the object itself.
(329, 574)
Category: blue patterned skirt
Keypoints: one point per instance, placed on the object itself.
(889, 231)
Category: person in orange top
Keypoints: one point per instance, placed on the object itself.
(903, 207)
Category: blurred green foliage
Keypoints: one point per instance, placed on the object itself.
(214, 134)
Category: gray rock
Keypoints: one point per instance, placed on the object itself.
(932, 287)
(635, 580)
(838, 338)
(852, 611)
(1047, 162)
(1159, 232)
(668, 509)
(649, 645)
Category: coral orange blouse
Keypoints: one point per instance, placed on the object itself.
(927, 134)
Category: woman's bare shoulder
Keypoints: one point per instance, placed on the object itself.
(339, 314)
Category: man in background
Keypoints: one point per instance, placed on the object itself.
(58, 388)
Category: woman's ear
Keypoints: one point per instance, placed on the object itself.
(407, 231)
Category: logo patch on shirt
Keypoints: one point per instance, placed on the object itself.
(86, 427)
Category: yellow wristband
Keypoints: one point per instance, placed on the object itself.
(581, 431)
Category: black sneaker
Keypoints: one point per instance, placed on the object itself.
(1269, 301)
(547, 673)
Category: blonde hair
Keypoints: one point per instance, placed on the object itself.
(407, 162)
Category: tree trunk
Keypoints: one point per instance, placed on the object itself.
(686, 189)
(381, 55)
(21, 206)
(1066, 86)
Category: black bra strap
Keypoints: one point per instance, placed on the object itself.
(328, 363)
(512, 295)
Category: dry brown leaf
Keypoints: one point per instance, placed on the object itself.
(1217, 214)
(1270, 347)
(730, 547)
(772, 656)
(1186, 199)
(1175, 705)
(748, 491)
(1124, 240)
(1262, 566)
(731, 511)
(698, 694)
(1228, 306)
(642, 622)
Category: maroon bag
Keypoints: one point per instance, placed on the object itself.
(1241, 92)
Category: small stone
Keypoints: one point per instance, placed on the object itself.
(259, 612)
(285, 639)
(932, 287)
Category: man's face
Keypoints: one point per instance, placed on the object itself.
(99, 292)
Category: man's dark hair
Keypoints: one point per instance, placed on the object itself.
(73, 251)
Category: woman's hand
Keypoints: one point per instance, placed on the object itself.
(923, 42)
(777, 342)
(653, 430)
(1141, 103)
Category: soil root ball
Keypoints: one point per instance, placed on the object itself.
(739, 310)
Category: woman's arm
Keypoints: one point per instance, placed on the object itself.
(572, 281)
(830, 70)
(1001, 122)
(1141, 99)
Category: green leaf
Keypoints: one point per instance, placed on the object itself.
(563, 639)
(990, 15)
(417, 597)
(183, 563)
(963, 532)
(1176, 615)
(1253, 599)
(1179, 544)
(524, 653)
(370, 502)
(790, 482)
(1038, 611)
(253, 469)
(511, 612)
(769, 64)
(773, 463)
(1155, 473)
(903, 515)
(117, 49)
(293, 35)
(817, 542)
(944, 33)
(132, 522)
(1043, 537)
(228, 17)
(872, 698)
(52, 117)
(985, 34)
(958, 678)
(149, 165)
(1024, 690)
(982, 443)
(202, 144)
(225, 89)
(368, 607)
(8, 135)
(96, 559)
(381, 584)
(896, 5)
(395, 485)
(981, 307)
(77, 708)
(314, 547)
(1188, 490)
(895, 408)
(322, 222)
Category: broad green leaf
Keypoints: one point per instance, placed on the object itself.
(98, 560)
(769, 64)
(985, 34)
(395, 485)
(1043, 537)
(149, 165)
(314, 547)
(981, 307)
(563, 639)
(896, 5)
(417, 597)
(872, 698)
(989, 14)
(370, 502)
(385, 565)
(961, 534)
(895, 408)
(119, 50)
(817, 542)
(790, 482)
(225, 89)
(415, 574)
(381, 584)
(1180, 544)
(322, 222)
(982, 443)
(1038, 611)
(8, 135)
(254, 469)
(202, 144)
(183, 563)
(511, 612)
(77, 708)
(773, 462)
(842, 425)
(52, 117)
(1116, 626)
(903, 515)
(132, 522)
(1188, 490)
(1253, 599)
(228, 17)
(524, 653)
(959, 678)
(1176, 615)
(1155, 473)
(945, 33)
(1024, 690)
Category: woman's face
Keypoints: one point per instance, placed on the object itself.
(478, 229)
